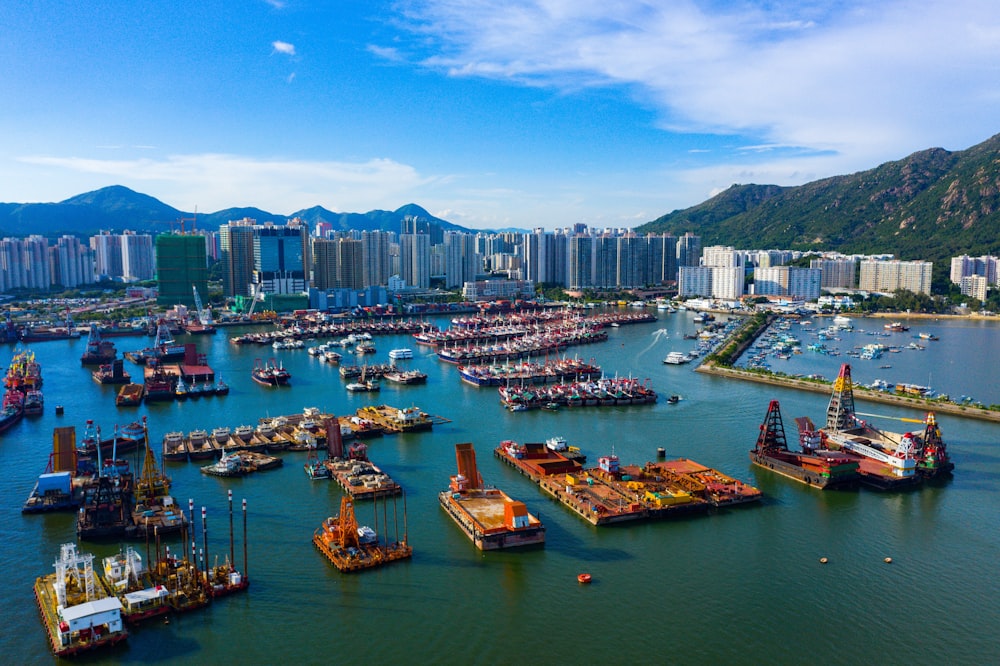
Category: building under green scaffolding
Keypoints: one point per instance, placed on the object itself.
(181, 263)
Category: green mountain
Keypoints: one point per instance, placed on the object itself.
(118, 208)
(932, 205)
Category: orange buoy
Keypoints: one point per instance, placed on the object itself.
(583, 578)
(823, 560)
(888, 560)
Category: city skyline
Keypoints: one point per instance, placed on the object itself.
(524, 114)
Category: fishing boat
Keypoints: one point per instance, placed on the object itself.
(77, 613)
(270, 373)
(12, 409)
(406, 376)
(34, 403)
(364, 383)
(490, 518)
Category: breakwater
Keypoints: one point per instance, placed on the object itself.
(860, 392)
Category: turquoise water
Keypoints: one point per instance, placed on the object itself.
(742, 584)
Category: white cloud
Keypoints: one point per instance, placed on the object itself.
(873, 80)
(216, 181)
(283, 47)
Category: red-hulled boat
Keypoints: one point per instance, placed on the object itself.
(813, 466)
(271, 373)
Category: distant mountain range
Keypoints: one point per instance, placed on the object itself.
(118, 208)
(933, 205)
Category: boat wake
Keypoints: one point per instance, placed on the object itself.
(658, 334)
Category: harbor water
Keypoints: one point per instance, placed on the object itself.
(741, 584)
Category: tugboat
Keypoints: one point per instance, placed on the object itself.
(77, 613)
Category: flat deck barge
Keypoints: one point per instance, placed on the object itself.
(490, 518)
(361, 479)
(611, 493)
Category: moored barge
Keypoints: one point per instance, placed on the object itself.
(612, 493)
(76, 612)
(813, 466)
(351, 547)
(490, 518)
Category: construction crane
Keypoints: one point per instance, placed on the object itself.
(257, 289)
(895, 418)
(204, 314)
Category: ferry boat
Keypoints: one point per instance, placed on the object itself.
(676, 358)
(270, 373)
(401, 353)
(351, 547)
(77, 613)
(813, 466)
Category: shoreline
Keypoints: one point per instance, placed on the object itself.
(860, 393)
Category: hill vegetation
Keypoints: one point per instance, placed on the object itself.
(932, 205)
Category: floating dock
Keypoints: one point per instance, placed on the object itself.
(611, 493)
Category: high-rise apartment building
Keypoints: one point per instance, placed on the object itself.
(72, 263)
(281, 258)
(236, 253)
(581, 262)
(181, 265)
(414, 260)
(837, 272)
(888, 276)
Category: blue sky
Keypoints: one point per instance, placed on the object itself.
(489, 114)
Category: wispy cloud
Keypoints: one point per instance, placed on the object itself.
(277, 4)
(216, 181)
(283, 47)
(868, 79)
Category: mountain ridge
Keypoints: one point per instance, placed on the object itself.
(933, 204)
(118, 208)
